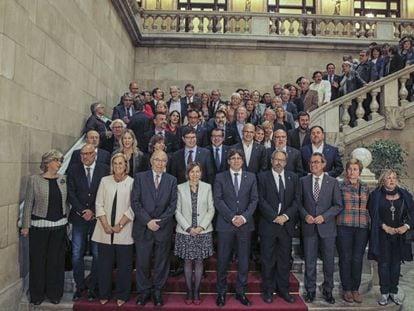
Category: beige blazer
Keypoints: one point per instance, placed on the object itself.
(37, 198)
(103, 206)
(205, 207)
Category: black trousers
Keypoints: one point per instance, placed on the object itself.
(108, 255)
(275, 254)
(47, 263)
(159, 251)
(225, 242)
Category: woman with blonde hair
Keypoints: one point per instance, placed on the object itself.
(44, 222)
(128, 145)
(392, 214)
(113, 231)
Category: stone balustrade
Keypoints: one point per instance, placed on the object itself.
(272, 25)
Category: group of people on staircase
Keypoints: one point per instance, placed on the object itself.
(239, 176)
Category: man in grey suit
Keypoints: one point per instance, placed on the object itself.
(320, 203)
(154, 201)
(235, 198)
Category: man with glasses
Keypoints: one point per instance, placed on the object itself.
(279, 200)
(320, 203)
(220, 122)
(235, 199)
(218, 150)
(154, 201)
(126, 110)
(194, 117)
(83, 181)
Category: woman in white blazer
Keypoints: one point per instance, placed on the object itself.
(194, 241)
(113, 231)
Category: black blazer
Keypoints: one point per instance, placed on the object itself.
(333, 166)
(119, 112)
(178, 165)
(201, 133)
(334, 90)
(294, 161)
(230, 135)
(229, 205)
(102, 156)
(269, 202)
(258, 158)
(150, 203)
(139, 124)
(80, 196)
(96, 124)
(224, 165)
(294, 140)
(171, 142)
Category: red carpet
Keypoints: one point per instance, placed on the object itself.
(175, 302)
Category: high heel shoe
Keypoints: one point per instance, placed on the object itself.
(120, 302)
(103, 301)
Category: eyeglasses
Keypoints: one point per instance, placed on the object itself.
(160, 160)
(87, 153)
(236, 158)
(316, 162)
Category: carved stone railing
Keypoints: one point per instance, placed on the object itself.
(389, 108)
(272, 24)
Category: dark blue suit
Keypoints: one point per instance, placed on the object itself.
(228, 205)
(294, 161)
(119, 112)
(82, 197)
(149, 203)
(258, 158)
(178, 165)
(275, 239)
(224, 165)
(201, 134)
(102, 156)
(139, 124)
(334, 165)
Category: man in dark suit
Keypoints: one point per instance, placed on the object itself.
(218, 150)
(160, 123)
(126, 110)
(279, 199)
(215, 102)
(102, 156)
(194, 121)
(175, 103)
(83, 181)
(140, 123)
(255, 154)
(153, 200)
(189, 98)
(334, 166)
(240, 122)
(333, 79)
(294, 159)
(320, 203)
(191, 153)
(235, 199)
(308, 99)
(220, 122)
(300, 136)
(287, 104)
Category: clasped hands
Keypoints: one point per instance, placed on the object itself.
(391, 231)
(195, 231)
(238, 220)
(318, 220)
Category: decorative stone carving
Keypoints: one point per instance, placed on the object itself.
(394, 118)
(364, 155)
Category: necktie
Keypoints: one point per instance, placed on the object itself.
(157, 181)
(190, 157)
(236, 183)
(217, 158)
(88, 176)
(281, 191)
(316, 189)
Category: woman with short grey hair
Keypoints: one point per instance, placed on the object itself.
(44, 222)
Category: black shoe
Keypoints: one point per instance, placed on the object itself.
(243, 299)
(287, 297)
(143, 299)
(177, 272)
(310, 297)
(37, 302)
(92, 295)
(221, 300)
(77, 294)
(55, 301)
(267, 297)
(157, 297)
(328, 297)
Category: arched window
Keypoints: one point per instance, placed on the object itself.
(377, 8)
(291, 6)
(202, 5)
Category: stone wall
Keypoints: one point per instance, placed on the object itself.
(56, 58)
(227, 69)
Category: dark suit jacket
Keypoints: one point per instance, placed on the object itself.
(294, 161)
(201, 133)
(258, 158)
(196, 101)
(171, 141)
(329, 205)
(229, 205)
(102, 156)
(269, 202)
(212, 107)
(95, 123)
(234, 126)
(139, 124)
(178, 165)
(119, 112)
(334, 90)
(80, 196)
(150, 203)
(230, 135)
(333, 166)
(291, 107)
(294, 140)
(224, 165)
